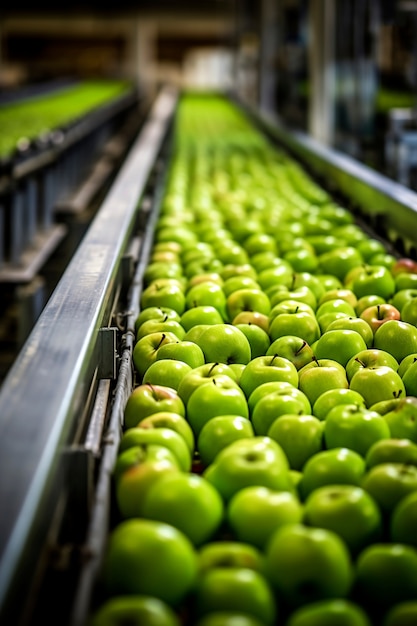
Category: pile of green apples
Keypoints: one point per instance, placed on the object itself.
(267, 469)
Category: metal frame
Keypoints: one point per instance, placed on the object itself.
(45, 394)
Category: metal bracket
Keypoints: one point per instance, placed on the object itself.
(107, 362)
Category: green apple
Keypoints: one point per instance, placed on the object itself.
(293, 348)
(356, 324)
(202, 265)
(229, 553)
(203, 314)
(329, 282)
(206, 294)
(235, 589)
(388, 483)
(224, 343)
(188, 502)
(265, 260)
(146, 349)
(252, 317)
(186, 351)
(229, 251)
(249, 299)
(258, 339)
(238, 269)
(371, 357)
(160, 269)
(323, 243)
(396, 337)
(260, 242)
(335, 397)
(155, 313)
(386, 575)
(300, 436)
(331, 467)
(218, 432)
(403, 520)
(290, 306)
(158, 455)
(204, 277)
(255, 513)
(400, 415)
(130, 566)
(148, 399)
(203, 374)
(392, 450)
(296, 321)
(377, 383)
(271, 406)
(340, 344)
(367, 301)
(300, 294)
(329, 613)
(235, 283)
(335, 305)
(163, 295)
(402, 614)
(165, 419)
(258, 461)
(218, 396)
(302, 259)
(166, 372)
(347, 510)
(310, 280)
(134, 610)
(375, 280)
(158, 436)
(308, 564)
(369, 247)
(319, 376)
(408, 379)
(278, 274)
(354, 427)
(137, 472)
(405, 280)
(340, 261)
(407, 361)
(402, 297)
(264, 369)
(265, 389)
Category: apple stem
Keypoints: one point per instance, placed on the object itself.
(165, 318)
(273, 359)
(303, 345)
(360, 362)
(315, 360)
(378, 311)
(397, 394)
(161, 341)
(212, 368)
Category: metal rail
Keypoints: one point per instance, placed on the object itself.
(45, 392)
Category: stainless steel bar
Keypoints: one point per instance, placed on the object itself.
(43, 392)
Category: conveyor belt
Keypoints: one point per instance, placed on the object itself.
(63, 390)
